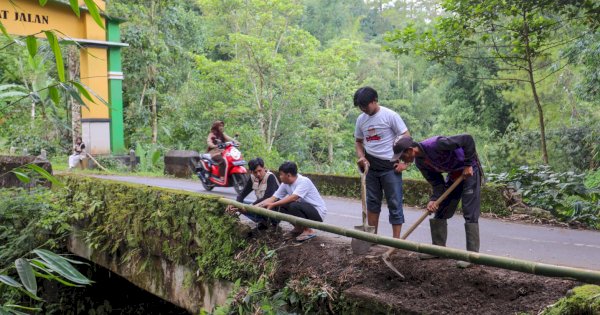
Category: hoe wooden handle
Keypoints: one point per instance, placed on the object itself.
(437, 202)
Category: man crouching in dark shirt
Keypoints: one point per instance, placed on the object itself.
(456, 156)
(265, 184)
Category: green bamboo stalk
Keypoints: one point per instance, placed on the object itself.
(584, 275)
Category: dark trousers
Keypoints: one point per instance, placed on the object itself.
(257, 218)
(302, 210)
(469, 191)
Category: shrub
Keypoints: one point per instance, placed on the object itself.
(29, 219)
(592, 179)
(562, 193)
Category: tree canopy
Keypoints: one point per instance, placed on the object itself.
(521, 76)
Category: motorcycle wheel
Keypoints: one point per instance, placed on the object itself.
(239, 181)
(208, 186)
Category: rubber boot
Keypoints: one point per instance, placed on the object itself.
(472, 235)
(439, 234)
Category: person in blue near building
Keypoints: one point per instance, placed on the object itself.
(456, 156)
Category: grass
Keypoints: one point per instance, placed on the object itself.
(60, 164)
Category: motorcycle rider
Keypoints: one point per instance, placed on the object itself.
(216, 137)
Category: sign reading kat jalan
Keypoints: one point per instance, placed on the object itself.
(27, 17)
(24, 17)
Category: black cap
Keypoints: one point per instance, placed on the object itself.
(401, 143)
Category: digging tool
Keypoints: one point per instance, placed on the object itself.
(387, 254)
(359, 246)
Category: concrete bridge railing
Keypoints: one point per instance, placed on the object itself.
(176, 245)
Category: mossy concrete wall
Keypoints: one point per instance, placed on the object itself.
(175, 244)
(416, 192)
(170, 281)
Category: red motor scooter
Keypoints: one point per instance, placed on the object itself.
(236, 174)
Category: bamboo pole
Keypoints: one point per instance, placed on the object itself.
(100, 166)
(542, 269)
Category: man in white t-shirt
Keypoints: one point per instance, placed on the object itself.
(376, 129)
(297, 196)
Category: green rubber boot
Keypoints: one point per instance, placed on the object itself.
(439, 234)
(472, 235)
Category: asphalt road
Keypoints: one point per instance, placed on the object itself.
(553, 245)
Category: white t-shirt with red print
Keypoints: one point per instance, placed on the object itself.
(379, 131)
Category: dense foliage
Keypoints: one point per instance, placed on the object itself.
(281, 74)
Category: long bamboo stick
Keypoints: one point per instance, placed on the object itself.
(542, 269)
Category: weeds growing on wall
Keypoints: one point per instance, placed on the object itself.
(182, 227)
(305, 296)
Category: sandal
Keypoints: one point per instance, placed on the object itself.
(232, 211)
(291, 234)
(305, 237)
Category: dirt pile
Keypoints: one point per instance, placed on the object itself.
(432, 287)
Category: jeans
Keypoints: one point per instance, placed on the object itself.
(390, 184)
(256, 218)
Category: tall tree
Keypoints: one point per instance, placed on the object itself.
(73, 73)
(333, 19)
(262, 38)
(163, 36)
(519, 35)
(336, 82)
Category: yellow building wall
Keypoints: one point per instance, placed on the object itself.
(93, 72)
(26, 17)
(53, 16)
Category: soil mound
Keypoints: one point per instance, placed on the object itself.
(434, 286)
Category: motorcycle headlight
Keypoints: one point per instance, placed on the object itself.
(235, 154)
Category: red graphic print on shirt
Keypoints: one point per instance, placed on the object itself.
(372, 134)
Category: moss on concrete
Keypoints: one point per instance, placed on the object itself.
(182, 227)
(416, 192)
(581, 300)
